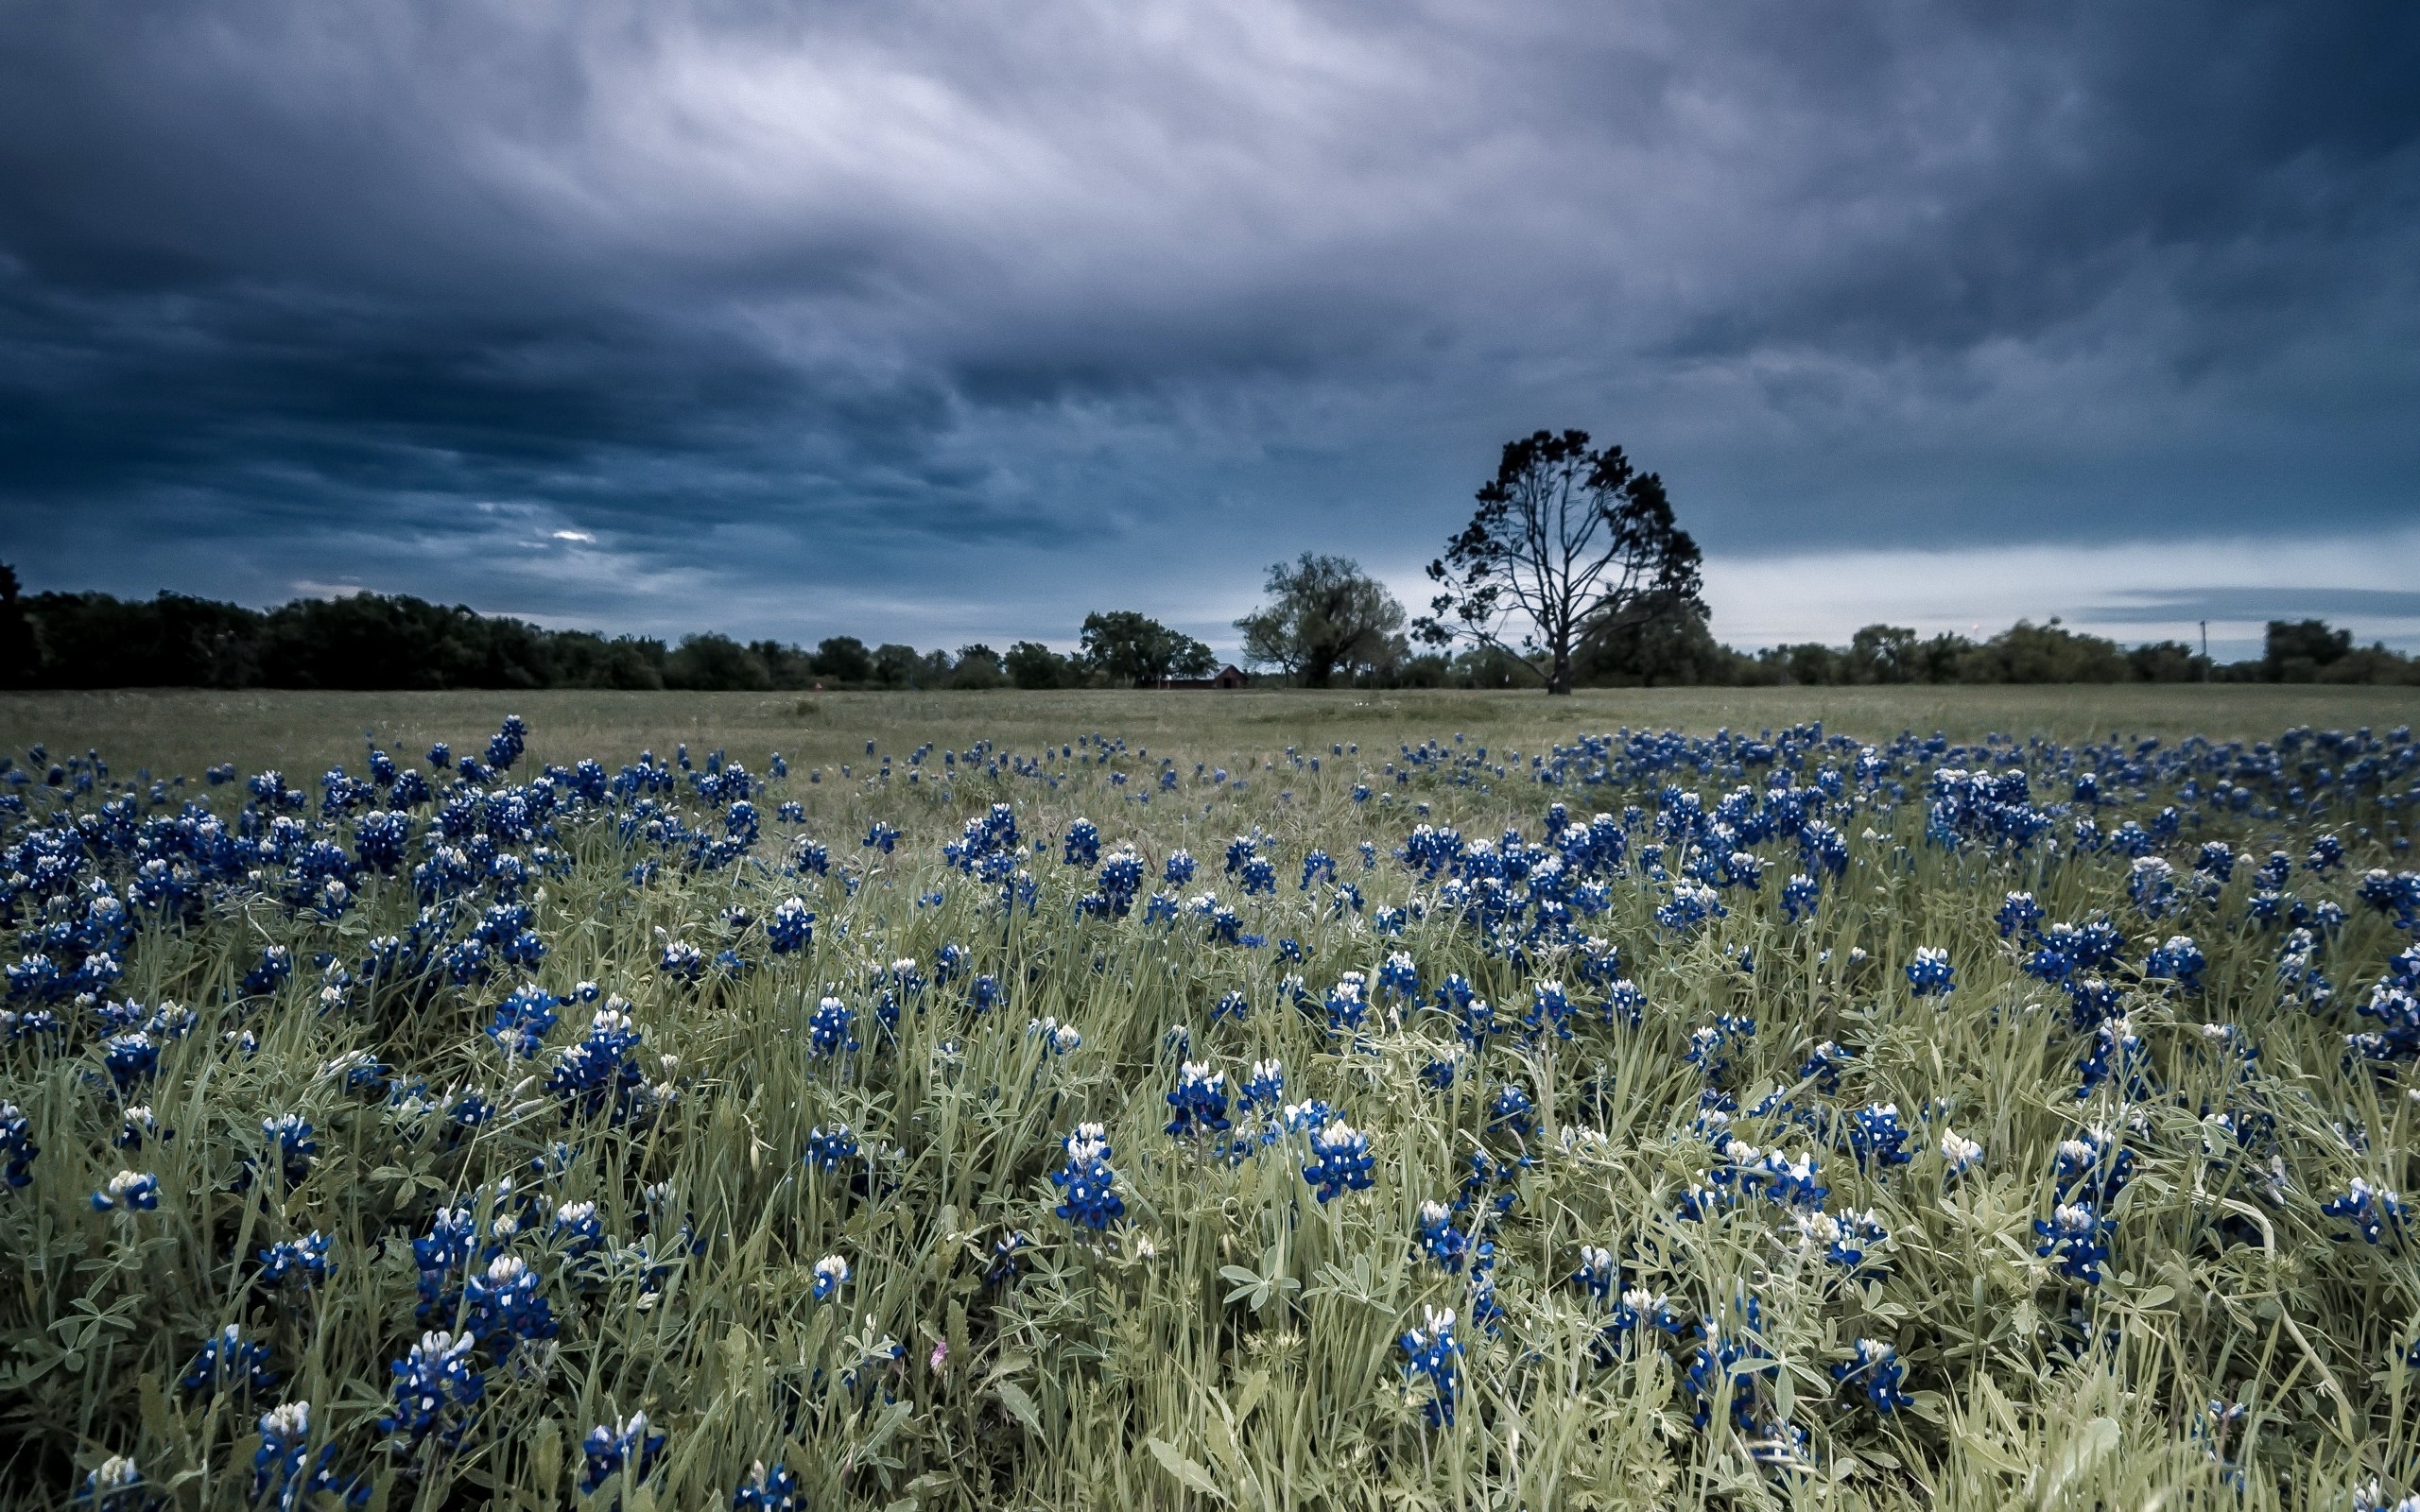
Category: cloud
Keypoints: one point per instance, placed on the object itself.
(940, 317)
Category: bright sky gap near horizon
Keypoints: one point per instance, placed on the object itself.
(932, 325)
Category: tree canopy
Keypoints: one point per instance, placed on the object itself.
(1134, 649)
(1326, 615)
(1569, 544)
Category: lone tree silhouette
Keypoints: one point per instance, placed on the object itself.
(1568, 546)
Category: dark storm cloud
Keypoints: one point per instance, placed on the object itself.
(774, 315)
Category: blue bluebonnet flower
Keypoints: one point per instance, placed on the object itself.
(130, 1058)
(1876, 1370)
(1431, 1355)
(1930, 974)
(285, 1473)
(2327, 855)
(831, 1274)
(1794, 1182)
(436, 1394)
(1089, 1185)
(881, 837)
(504, 1309)
(2374, 1211)
(683, 961)
(1877, 1138)
(774, 1490)
(1082, 847)
(1199, 1101)
(1846, 1235)
(1265, 1088)
(829, 1151)
(1317, 866)
(1549, 1010)
(1625, 1002)
(791, 926)
(1822, 1066)
(2074, 1235)
(1347, 1004)
(1340, 1161)
(2093, 1167)
(600, 1070)
(296, 1143)
(626, 1449)
(2151, 884)
(1513, 1111)
(2178, 960)
(1598, 1275)
(829, 1027)
(522, 1020)
(1056, 1038)
(231, 1363)
(300, 1261)
(1639, 1307)
(577, 1231)
(2116, 1051)
(1400, 975)
(1728, 1362)
(117, 1486)
(1004, 1269)
(1799, 898)
(1178, 869)
(1959, 1154)
(276, 965)
(1692, 905)
(128, 1192)
(2019, 916)
(1435, 1236)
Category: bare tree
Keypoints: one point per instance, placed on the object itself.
(1568, 546)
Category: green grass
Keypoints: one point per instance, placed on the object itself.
(1231, 1343)
(183, 730)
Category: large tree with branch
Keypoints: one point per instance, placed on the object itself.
(1568, 546)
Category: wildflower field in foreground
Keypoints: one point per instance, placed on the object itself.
(1603, 1117)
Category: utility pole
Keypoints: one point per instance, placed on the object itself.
(2206, 650)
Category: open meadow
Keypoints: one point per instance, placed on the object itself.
(1861, 1097)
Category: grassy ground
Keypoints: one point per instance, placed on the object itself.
(183, 730)
(1228, 1340)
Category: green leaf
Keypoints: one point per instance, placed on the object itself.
(1013, 1398)
(1190, 1474)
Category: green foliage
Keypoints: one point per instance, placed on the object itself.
(1326, 616)
(1133, 650)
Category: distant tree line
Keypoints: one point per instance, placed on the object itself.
(1327, 624)
(379, 641)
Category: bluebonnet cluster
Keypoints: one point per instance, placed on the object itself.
(229, 1363)
(437, 1391)
(128, 1192)
(296, 1262)
(1877, 1370)
(1340, 1161)
(2375, 1214)
(627, 1447)
(1087, 1184)
(1519, 913)
(768, 1490)
(1199, 1102)
(1433, 1359)
(286, 1474)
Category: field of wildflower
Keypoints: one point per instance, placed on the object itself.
(1168, 1102)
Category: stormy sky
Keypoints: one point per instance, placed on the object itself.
(949, 322)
